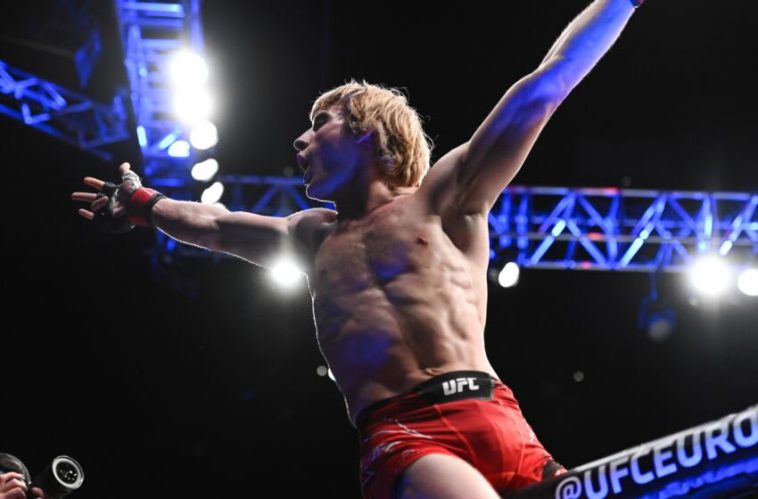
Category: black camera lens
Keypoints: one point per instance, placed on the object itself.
(67, 472)
(60, 477)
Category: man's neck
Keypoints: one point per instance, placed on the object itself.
(361, 203)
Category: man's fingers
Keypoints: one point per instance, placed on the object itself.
(11, 475)
(123, 168)
(86, 214)
(18, 483)
(13, 484)
(87, 197)
(37, 492)
(93, 182)
(99, 203)
(15, 494)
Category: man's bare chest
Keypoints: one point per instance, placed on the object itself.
(377, 250)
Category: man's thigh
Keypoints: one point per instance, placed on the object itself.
(442, 476)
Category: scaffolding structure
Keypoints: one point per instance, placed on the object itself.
(540, 227)
(152, 33)
(568, 228)
(62, 113)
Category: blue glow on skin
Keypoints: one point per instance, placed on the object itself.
(393, 264)
(362, 349)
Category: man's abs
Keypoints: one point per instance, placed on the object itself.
(395, 303)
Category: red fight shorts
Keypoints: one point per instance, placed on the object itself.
(467, 414)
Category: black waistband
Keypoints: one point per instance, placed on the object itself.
(448, 387)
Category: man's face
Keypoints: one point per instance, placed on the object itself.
(329, 155)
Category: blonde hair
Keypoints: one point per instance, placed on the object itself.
(399, 139)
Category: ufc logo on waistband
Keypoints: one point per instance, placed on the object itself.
(456, 385)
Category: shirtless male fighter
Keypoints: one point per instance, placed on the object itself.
(398, 273)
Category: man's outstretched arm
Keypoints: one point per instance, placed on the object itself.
(247, 235)
(256, 238)
(488, 162)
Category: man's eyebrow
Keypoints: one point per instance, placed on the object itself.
(323, 112)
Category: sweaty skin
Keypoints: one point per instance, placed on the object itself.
(395, 301)
(400, 291)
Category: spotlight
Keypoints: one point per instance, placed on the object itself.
(286, 273)
(508, 277)
(179, 149)
(188, 69)
(710, 276)
(205, 170)
(747, 282)
(204, 135)
(192, 105)
(213, 193)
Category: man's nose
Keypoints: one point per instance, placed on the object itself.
(301, 142)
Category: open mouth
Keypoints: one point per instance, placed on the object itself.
(302, 162)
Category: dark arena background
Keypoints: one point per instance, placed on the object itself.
(168, 373)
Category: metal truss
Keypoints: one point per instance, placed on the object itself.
(565, 228)
(540, 227)
(622, 229)
(67, 115)
(151, 32)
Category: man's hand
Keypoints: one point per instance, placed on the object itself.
(118, 208)
(38, 493)
(12, 486)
